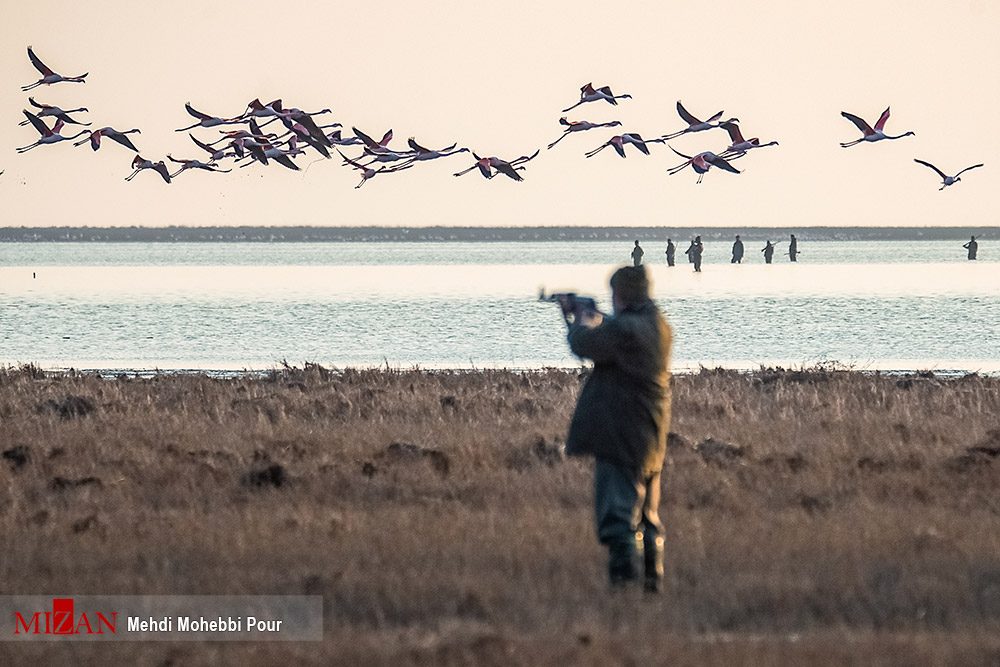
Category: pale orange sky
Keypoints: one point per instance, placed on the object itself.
(494, 78)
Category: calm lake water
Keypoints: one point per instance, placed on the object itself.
(234, 306)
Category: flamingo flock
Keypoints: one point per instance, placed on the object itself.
(251, 145)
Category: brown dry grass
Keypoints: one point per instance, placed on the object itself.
(854, 520)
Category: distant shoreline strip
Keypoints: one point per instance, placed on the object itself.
(475, 234)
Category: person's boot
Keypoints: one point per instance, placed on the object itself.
(653, 560)
(622, 562)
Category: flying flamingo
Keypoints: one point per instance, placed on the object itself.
(701, 163)
(139, 163)
(946, 180)
(482, 164)
(56, 112)
(195, 164)
(870, 134)
(740, 145)
(385, 156)
(590, 94)
(301, 126)
(579, 126)
(375, 146)
(258, 110)
(261, 150)
(215, 153)
(48, 76)
(48, 136)
(695, 125)
(204, 120)
(618, 143)
(420, 153)
(486, 165)
(289, 116)
(110, 133)
(337, 140)
(368, 172)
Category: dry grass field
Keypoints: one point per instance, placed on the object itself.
(813, 517)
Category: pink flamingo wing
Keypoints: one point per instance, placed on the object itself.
(38, 124)
(881, 121)
(194, 112)
(861, 123)
(685, 116)
(39, 65)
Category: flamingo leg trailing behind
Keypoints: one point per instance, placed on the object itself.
(869, 133)
(945, 179)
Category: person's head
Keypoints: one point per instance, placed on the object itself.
(737, 237)
(668, 240)
(629, 287)
(973, 238)
(793, 236)
(637, 241)
(697, 239)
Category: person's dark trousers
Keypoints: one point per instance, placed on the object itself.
(626, 504)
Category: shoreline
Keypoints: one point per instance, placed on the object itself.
(111, 372)
(437, 234)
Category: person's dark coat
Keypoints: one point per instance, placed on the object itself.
(623, 413)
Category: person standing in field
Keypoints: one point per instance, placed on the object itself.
(973, 247)
(671, 251)
(696, 251)
(737, 251)
(622, 418)
(793, 249)
(637, 254)
(768, 251)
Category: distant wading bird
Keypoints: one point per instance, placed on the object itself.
(695, 125)
(618, 143)
(701, 163)
(946, 180)
(48, 76)
(55, 112)
(590, 94)
(579, 126)
(870, 134)
(48, 136)
(110, 133)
